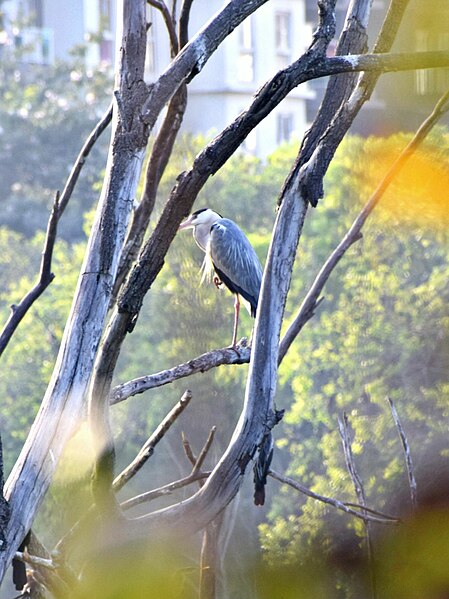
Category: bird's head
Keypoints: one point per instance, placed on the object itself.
(205, 216)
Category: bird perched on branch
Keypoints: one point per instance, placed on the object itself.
(230, 255)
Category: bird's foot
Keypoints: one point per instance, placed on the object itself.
(237, 344)
(217, 282)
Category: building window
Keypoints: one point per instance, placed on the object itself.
(283, 36)
(245, 60)
(284, 127)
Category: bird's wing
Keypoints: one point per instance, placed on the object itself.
(235, 260)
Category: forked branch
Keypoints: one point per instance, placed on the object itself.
(361, 512)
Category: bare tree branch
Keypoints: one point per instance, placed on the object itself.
(81, 159)
(203, 363)
(147, 449)
(196, 475)
(163, 9)
(64, 401)
(340, 505)
(165, 490)
(353, 40)
(311, 301)
(35, 560)
(160, 154)
(204, 451)
(349, 459)
(343, 426)
(407, 454)
(188, 450)
(184, 18)
(314, 163)
(4, 507)
(45, 278)
(59, 205)
(191, 60)
(186, 65)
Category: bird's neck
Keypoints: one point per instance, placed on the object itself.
(201, 234)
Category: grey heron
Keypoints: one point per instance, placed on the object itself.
(230, 255)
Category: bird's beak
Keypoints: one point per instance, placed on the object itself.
(186, 224)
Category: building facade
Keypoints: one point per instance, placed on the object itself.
(265, 42)
(400, 101)
(275, 35)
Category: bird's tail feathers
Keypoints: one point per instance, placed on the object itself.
(207, 268)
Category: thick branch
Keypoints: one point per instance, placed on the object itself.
(64, 401)
(321, 155)
(184, 18)
(353, 40)
(203, 363)
(160, 155)
(191, 60)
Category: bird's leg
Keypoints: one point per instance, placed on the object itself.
(236, 319)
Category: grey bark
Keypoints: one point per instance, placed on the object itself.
(64, 401)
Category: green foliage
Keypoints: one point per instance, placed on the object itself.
(28, 361)
(381, 330)
(46, 114)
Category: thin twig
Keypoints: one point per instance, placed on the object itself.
(81, 158)
(35, 560)
(183, 26)
(59, 205)
(197, 462)
(163, 9)
(353, 234)
(207, 361)
(343, 425)
(45, 278)
(188, 449)
(340, 505)
(165, 490)
(147, 449)
(205, 450)
(408, 455)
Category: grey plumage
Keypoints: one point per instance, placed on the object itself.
(235, 261)
(230, 255)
